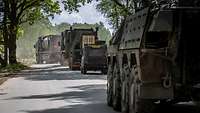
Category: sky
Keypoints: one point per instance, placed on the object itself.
(87, 14)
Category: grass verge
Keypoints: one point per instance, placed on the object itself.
(13, 68)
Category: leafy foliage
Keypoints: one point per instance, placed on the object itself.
(116, 10)
(73, 5)
(32, 10)
(13, 68)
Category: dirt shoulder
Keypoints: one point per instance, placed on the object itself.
(10, 71)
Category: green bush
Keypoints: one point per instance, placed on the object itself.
(13, 67)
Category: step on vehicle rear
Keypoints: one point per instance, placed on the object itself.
(94, 57)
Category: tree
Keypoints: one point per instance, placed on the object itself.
(22, 11)
(116, 10)
(73, 5)
(1, 48)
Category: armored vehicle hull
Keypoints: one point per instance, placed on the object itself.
(154, 58)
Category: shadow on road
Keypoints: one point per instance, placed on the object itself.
(89, 99)
(3, 93)
(57, 72)
(89, 108)
(87, 93)
(99, 108)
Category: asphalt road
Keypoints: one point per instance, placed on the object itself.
(54, 89)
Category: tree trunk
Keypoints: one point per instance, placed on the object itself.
(5, 48)
(13, 32)
(12, 44)
(12, 49)
(2, 62)
(5, 37)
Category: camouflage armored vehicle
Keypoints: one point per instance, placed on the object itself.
(153, 57)
(94, 57)
(47, 49)
(72, 43)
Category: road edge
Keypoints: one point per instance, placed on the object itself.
(3, 79)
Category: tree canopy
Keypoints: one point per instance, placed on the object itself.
(116, 10)
(18, 12)
(30, 10)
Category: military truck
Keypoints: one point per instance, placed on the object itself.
(154, 58)
(47, 49)
(71, 45)
(94, 57)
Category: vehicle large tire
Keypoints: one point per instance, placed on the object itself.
(109, 94)
(81, 71)
(133, 92)
(84, 70)
(132, 97)
(116, 89)
(110, 86)
(125, 89)
(124, 98)
(62, 59)
(137, 105)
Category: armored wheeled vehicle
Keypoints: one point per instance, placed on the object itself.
(94, 57)
(72, 43)
(154, 58)
(47, 49)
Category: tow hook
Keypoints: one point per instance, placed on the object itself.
(167, 81)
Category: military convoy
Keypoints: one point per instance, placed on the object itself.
(47, 49)
(72, 42)
(94, 57)
(69, 48)
(153, 57)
